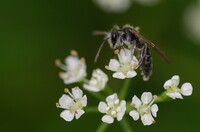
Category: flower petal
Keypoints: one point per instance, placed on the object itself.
(113, 65)
(186, 89)
(171, 95)
(120, 116)
(146, 97)
(70, 80)
(79, 113)
(123, 105)
(102, 107)
(84, 101)
(107, 119)
(168, 84)
(72, 62)
(178, 95)
(174, 95)
(77, 93)
(112, 98)
(125, 56)
(97, 82)
(119, 75)
(66, 101)
(67, 115)
(147, 119)
(100, 76)
(91, 88)
(131, 74)
(136, 101)
(154, 110)
(134, 114)
(176, 79)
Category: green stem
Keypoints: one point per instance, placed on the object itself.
(125, 125)
(162, 98)
(91, 109)
(128, 107)
(97, 95)
(102, 127)
(124, 89)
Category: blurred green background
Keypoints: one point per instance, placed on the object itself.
(34, 33)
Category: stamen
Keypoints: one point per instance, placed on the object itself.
(108, 108)
(107, 67)
(57, 105)
(82, 59)
(58, 62)
(61, 74)
(116, 51)
(74, 53)
(66, 90)
(117, 101)
(113, 112)
(155, 97)
(118, 109)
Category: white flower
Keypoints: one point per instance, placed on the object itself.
(98, 81)
(125, 67)
(73, 104)
(173, 91)
(144, 108)
(75, 68)
(116, 6)
(113, 108)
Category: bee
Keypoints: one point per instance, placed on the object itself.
(129, 36)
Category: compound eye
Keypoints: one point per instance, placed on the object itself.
(114, 38)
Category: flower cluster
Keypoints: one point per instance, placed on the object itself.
(74, 68)
(97, 82)
(125, 66)
(144, 108)
(174, 92)
(74, 103)
(113, 108)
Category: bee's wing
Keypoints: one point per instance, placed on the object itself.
(149, 43)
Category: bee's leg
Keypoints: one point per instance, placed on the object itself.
(146, 65)
(142, 49)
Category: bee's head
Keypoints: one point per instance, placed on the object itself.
(114, 38)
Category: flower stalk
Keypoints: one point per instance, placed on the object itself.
(124, 89)
(162, 98)
(125, 125)
(102, 127)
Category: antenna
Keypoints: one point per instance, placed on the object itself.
(100, 48)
